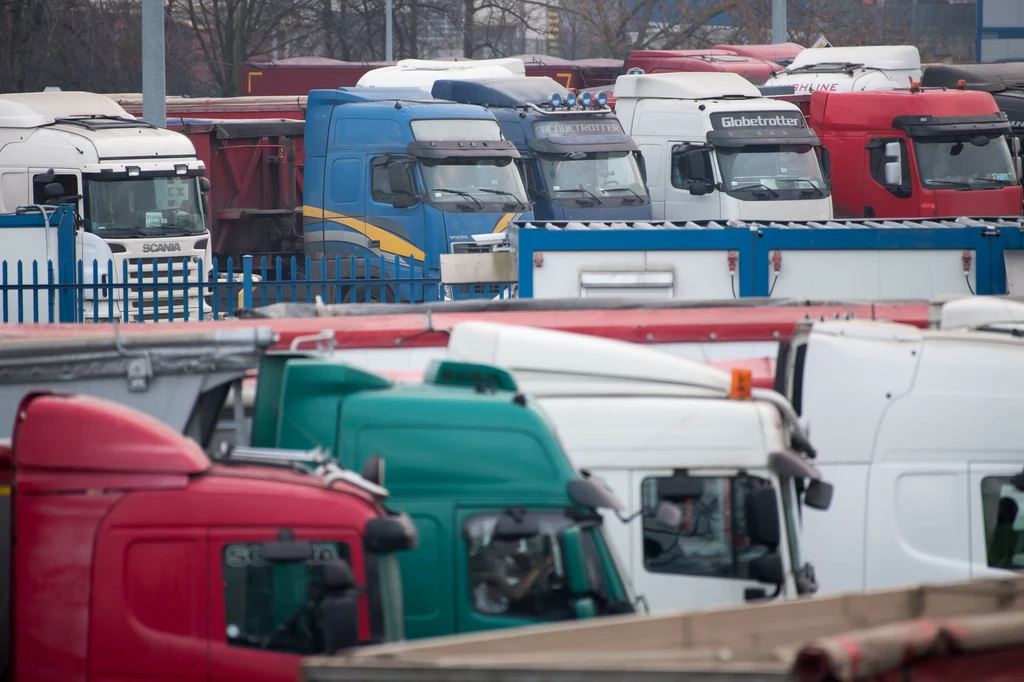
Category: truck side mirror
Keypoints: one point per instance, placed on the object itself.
(339, 607)
(893, 173)
(401, 186)
(699, 188)
(514, 527)
(638, 155)
(204, 184)
(768, 569)
(826, 162)
(575, 561)
(818, 495)
(402, 200)
(373, 469)
(763, 518)
(680, 489)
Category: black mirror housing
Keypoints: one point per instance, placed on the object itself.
(286, 549)
(403, 200)
(392, 533)
(398, 178)
(767, 569)
(204, 183)
(373, 469)
(680, 489)
(763, 518)
(339, 607)
(513, 529)
(818, 495)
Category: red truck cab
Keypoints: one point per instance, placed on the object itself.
(137, 558)
(917, 153)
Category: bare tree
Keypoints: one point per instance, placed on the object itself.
(230, 32)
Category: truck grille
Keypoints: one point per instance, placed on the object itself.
(470, 247)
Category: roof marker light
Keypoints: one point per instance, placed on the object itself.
(602, 98)
(961, 84)
(556, 100)
(741, 384)
(586, 99)
(570, 99)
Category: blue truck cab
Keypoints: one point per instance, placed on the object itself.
(393, 172)
(577, 161)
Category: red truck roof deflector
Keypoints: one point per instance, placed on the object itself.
(108, 437)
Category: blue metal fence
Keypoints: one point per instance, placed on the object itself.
(148, 290)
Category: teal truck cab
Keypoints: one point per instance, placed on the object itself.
(509, 533)
(578, 162)
(391, 172)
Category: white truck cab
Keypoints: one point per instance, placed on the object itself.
(922, 435)
(716, 149)
(657, 428)
(849, 69)
(138, 187)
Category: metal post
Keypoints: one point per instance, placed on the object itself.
(389, 55)
(154, 87)
(780, 32)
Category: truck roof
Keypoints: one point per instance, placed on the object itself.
(550, 362)
(778, 52)
(684, 85)
(987, 77)
(878, 108)
(35, 109)
(499, 92)
(423, 73)
(884, 57)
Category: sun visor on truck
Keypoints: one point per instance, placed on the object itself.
(432, 149)
(603, 134)
(744, 137)
(933, 126)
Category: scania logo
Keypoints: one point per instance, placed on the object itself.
(161, 247)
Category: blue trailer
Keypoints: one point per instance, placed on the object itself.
(395, 179)
(838, 259)
(578, 162)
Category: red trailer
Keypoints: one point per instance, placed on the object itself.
(574, 75)
(671, 61)
(782, 53)
(299, 75)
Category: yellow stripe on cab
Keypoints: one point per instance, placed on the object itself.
(389, 241)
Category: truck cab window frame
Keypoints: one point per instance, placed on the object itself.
(275, 606)
(686, 165)
(712, 541)
(1003, 523)
(498, 570)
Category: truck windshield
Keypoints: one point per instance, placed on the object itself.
(964, 163)
(772, 171)
(143, 207)
(524, 578)
(470, 184)
(593, 176)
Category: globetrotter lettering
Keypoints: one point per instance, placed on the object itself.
(156, 248)
(566, 129)
(757, 121)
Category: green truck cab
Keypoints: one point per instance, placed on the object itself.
(509, 533)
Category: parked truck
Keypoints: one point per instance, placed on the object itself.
(845, 69)
(909, 153)
(511, 534)
(1005, 82)
(137, 557)
(717, 150)
(918, 430)
(660, 429)
(753, 69)
(576, 159)
(942, 633)
(140, 188)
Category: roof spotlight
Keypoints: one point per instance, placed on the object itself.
(586, 99)
(602, 98)
(556, 100)
(570, 99)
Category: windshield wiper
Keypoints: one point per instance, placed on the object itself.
(584, 190)
(813, 186)
(461, 193)
(502, 192)
(950, 183)
(754, 186)
(626, 189)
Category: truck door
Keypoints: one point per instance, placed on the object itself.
(262, 616)
(997, 520)
(344, 209)
(888, 191)
(706, 562)
(690, 188)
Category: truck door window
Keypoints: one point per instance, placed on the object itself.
(39, 183)
(877, 160)
(380, 184)
(691, 167)
(1001, 506)
(275, 606)
(520, 578)
(712, 540)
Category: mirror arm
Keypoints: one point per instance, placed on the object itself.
(788, 413)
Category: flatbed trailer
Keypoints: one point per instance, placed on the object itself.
(934, 633)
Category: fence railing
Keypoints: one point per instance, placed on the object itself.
(162, 289)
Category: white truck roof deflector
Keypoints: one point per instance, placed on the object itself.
(35, 109)
(978, 311)
(421, 73)
(548, 362)
(688, 85)
(885, 57)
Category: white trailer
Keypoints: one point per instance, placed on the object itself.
(138, 187)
